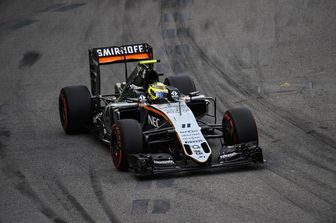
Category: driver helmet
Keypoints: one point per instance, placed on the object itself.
(157, 92)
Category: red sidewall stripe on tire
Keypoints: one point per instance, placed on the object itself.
(228, 118)
(65, 110)
(117, 158)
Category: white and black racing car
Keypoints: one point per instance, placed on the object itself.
(153, 127)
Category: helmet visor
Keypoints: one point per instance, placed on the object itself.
(161, 94)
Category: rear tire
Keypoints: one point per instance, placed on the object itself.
(182, 82)
(127, 138)
(75, 109)
(239, 127)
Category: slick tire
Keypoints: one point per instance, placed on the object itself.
(182, 82)
(127, 138)
(239, 127)
(75, 109)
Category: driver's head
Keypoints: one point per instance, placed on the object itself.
(157, 92)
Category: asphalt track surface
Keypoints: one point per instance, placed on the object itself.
(276, 57)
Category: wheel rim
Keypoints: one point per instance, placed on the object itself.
(63, 110)
(230, 137)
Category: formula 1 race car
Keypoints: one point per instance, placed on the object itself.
(153, 127)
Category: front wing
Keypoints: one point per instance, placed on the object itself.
(163, 163)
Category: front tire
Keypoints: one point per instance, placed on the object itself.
(75, 109)
(239, 127)
(127, 138)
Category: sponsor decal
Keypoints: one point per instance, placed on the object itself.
(195, 146)
(164, 162)
(142, 97)
(194, 141)
(153, 121)
(118, 137)
(189, 131)
(188, 125)
(174, 93)
(229, 155)
(174, 108)
(198, 152)
(123, 50)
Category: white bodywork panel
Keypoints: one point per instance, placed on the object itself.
(187, 128)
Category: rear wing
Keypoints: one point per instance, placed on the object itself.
(115, 54)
